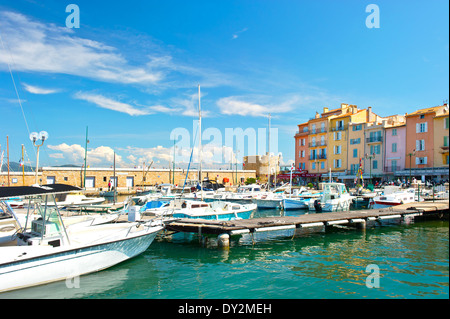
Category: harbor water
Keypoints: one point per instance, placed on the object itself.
(398, 260)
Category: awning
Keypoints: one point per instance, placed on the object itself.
(17, 191)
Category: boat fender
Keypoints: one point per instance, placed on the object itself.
(317, 205)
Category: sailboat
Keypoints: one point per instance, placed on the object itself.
(50, 251)
(185, 208)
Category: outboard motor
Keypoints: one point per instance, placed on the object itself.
(317, 205)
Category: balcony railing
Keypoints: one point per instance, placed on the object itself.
(374, 139)
(318, 156)
(339, 128)
(302, 132)
(316, 144)
(391, 169)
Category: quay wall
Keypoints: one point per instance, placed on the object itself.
(129, 178)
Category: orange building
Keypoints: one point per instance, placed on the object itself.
(301, 147)
(420, 139)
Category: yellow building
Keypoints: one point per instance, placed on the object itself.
(318, 138)
(441, 139)
(338, 137)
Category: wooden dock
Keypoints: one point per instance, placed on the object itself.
(359, 218)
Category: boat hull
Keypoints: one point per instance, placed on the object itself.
(55, 264)
(289, 204)
(232, 215)
(268, 203)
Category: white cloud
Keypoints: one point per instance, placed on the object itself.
(236, 35)
(38, 90)
(235, 105)
(101, 156)
(111, 104)
(39, 47)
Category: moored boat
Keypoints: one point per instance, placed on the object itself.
(50, 251)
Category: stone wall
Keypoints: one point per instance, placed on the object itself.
(126, 177)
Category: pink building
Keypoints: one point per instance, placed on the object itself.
(395, 148)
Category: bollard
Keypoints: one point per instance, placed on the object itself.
(224, 240)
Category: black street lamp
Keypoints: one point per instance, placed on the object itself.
(370, 157)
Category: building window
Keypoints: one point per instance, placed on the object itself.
(322, 165)
(422, 127)
(446, 123)
(357, 127)
(394, 147)
(355, 152)
(420, 145)
(313, 166)
(337, 149)
(394, 165)
(421, 160)
(337, 163)
(337, 136)
(375, 164)
(445, 140)
(66, 178)
(375, 149)
(422, 116)
(394, 132)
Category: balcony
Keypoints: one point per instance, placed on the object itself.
(339, 128)
(300, 133)
(318, 157)
(444, 149)
(391, 169)
(316, 144)
(374, 139)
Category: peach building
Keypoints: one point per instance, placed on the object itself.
(301, 147)
(420, 142)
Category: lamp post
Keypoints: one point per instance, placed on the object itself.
(370, 157)
(43, 135)
(411, 155)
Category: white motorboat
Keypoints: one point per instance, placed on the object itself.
(184, 208)
(269, 200)
(300, 202)
(75, 199)
(393, 196)
(244, 193)
(335, 197)
(49, 251)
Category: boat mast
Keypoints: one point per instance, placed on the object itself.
(269, 172)
(200, 141)
(85, 158)
(114, 179)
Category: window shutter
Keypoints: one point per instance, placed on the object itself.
(417, 145)
(425, 160)
(417, 127)
(426, 127)
(417, 160)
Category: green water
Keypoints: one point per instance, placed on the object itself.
(413, 262)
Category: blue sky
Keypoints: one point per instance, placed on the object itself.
(130, 72)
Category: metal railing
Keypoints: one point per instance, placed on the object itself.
(374, 139)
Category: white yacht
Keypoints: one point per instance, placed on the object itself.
(393, 196)
(49, 251)
(220, 210)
